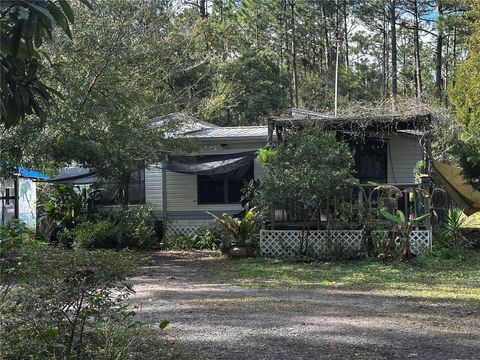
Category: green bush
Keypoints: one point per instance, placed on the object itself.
(65, 206)
(208, 237)
(132, 228)
(99, 234)
(16, 250)
(201, 241)
(68, 305)
(451, 230)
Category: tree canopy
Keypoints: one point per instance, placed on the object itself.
(227, 62)
(24, 27)
(299, 178)
(466, 97)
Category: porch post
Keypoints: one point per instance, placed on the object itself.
(425, 184)
(17, 197)
(164, 195)
(270, 131)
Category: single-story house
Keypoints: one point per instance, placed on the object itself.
(184, 188)
(18, 197)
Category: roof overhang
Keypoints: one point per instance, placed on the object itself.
(364, 121)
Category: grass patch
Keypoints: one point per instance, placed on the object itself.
(427, 277)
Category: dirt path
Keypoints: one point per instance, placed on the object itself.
(218, 320)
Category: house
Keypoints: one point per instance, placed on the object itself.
(18, 197)
(184, 188)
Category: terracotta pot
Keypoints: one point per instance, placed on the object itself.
(240, 251)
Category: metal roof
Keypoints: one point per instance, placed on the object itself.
(238, 133)
(178, 124)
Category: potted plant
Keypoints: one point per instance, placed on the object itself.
(240, 229)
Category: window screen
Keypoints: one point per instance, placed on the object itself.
(371, 161)
(136, 190)
(222, 189)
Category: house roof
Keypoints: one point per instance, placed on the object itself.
(178, 124)
(185, 126)
(76, 175)
(406, 114)
(231, 133)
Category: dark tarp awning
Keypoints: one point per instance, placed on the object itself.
(209, 164)
(76, 176)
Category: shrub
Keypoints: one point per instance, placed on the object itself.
(99, 234)
(451, 235)
(66, 305)
(181, 242)
(132, 228)
(16, 249)
(66, 206)
(208, 237)
(205, 240)
(239, 228)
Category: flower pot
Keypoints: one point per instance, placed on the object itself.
(240, 251)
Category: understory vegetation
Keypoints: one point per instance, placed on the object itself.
(72, 218)
(65, 304)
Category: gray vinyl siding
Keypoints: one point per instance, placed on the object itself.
(153, 188)
(404, 153)
(182, 190)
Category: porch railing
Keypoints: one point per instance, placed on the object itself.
(348, 209)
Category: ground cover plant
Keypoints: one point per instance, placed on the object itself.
(430, 276)
(69, 304)
(71, 218)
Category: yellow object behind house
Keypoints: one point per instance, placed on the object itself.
(464, 195)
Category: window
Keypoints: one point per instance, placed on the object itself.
(371, 161)
(224, 188)
(135, 193)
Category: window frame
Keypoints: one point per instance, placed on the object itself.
(141, 183)
(225, 186)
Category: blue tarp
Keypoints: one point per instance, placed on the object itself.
(28, 173)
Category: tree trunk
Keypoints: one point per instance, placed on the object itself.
(416, 44)
(202, 7)
(287, 51)
(294, 52)
(439, 58)
(454, 50)
(385, 55)
(326, 41)
(393, 35)
(345, 32)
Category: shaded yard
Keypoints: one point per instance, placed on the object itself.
(267, 309)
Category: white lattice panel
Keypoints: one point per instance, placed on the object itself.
(180, 229)
(281, 243)
(420, 240)
(289, 242)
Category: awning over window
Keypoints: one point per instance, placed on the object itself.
(209, 164)
(76, 176)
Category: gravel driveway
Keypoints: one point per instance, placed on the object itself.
(214, 319)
